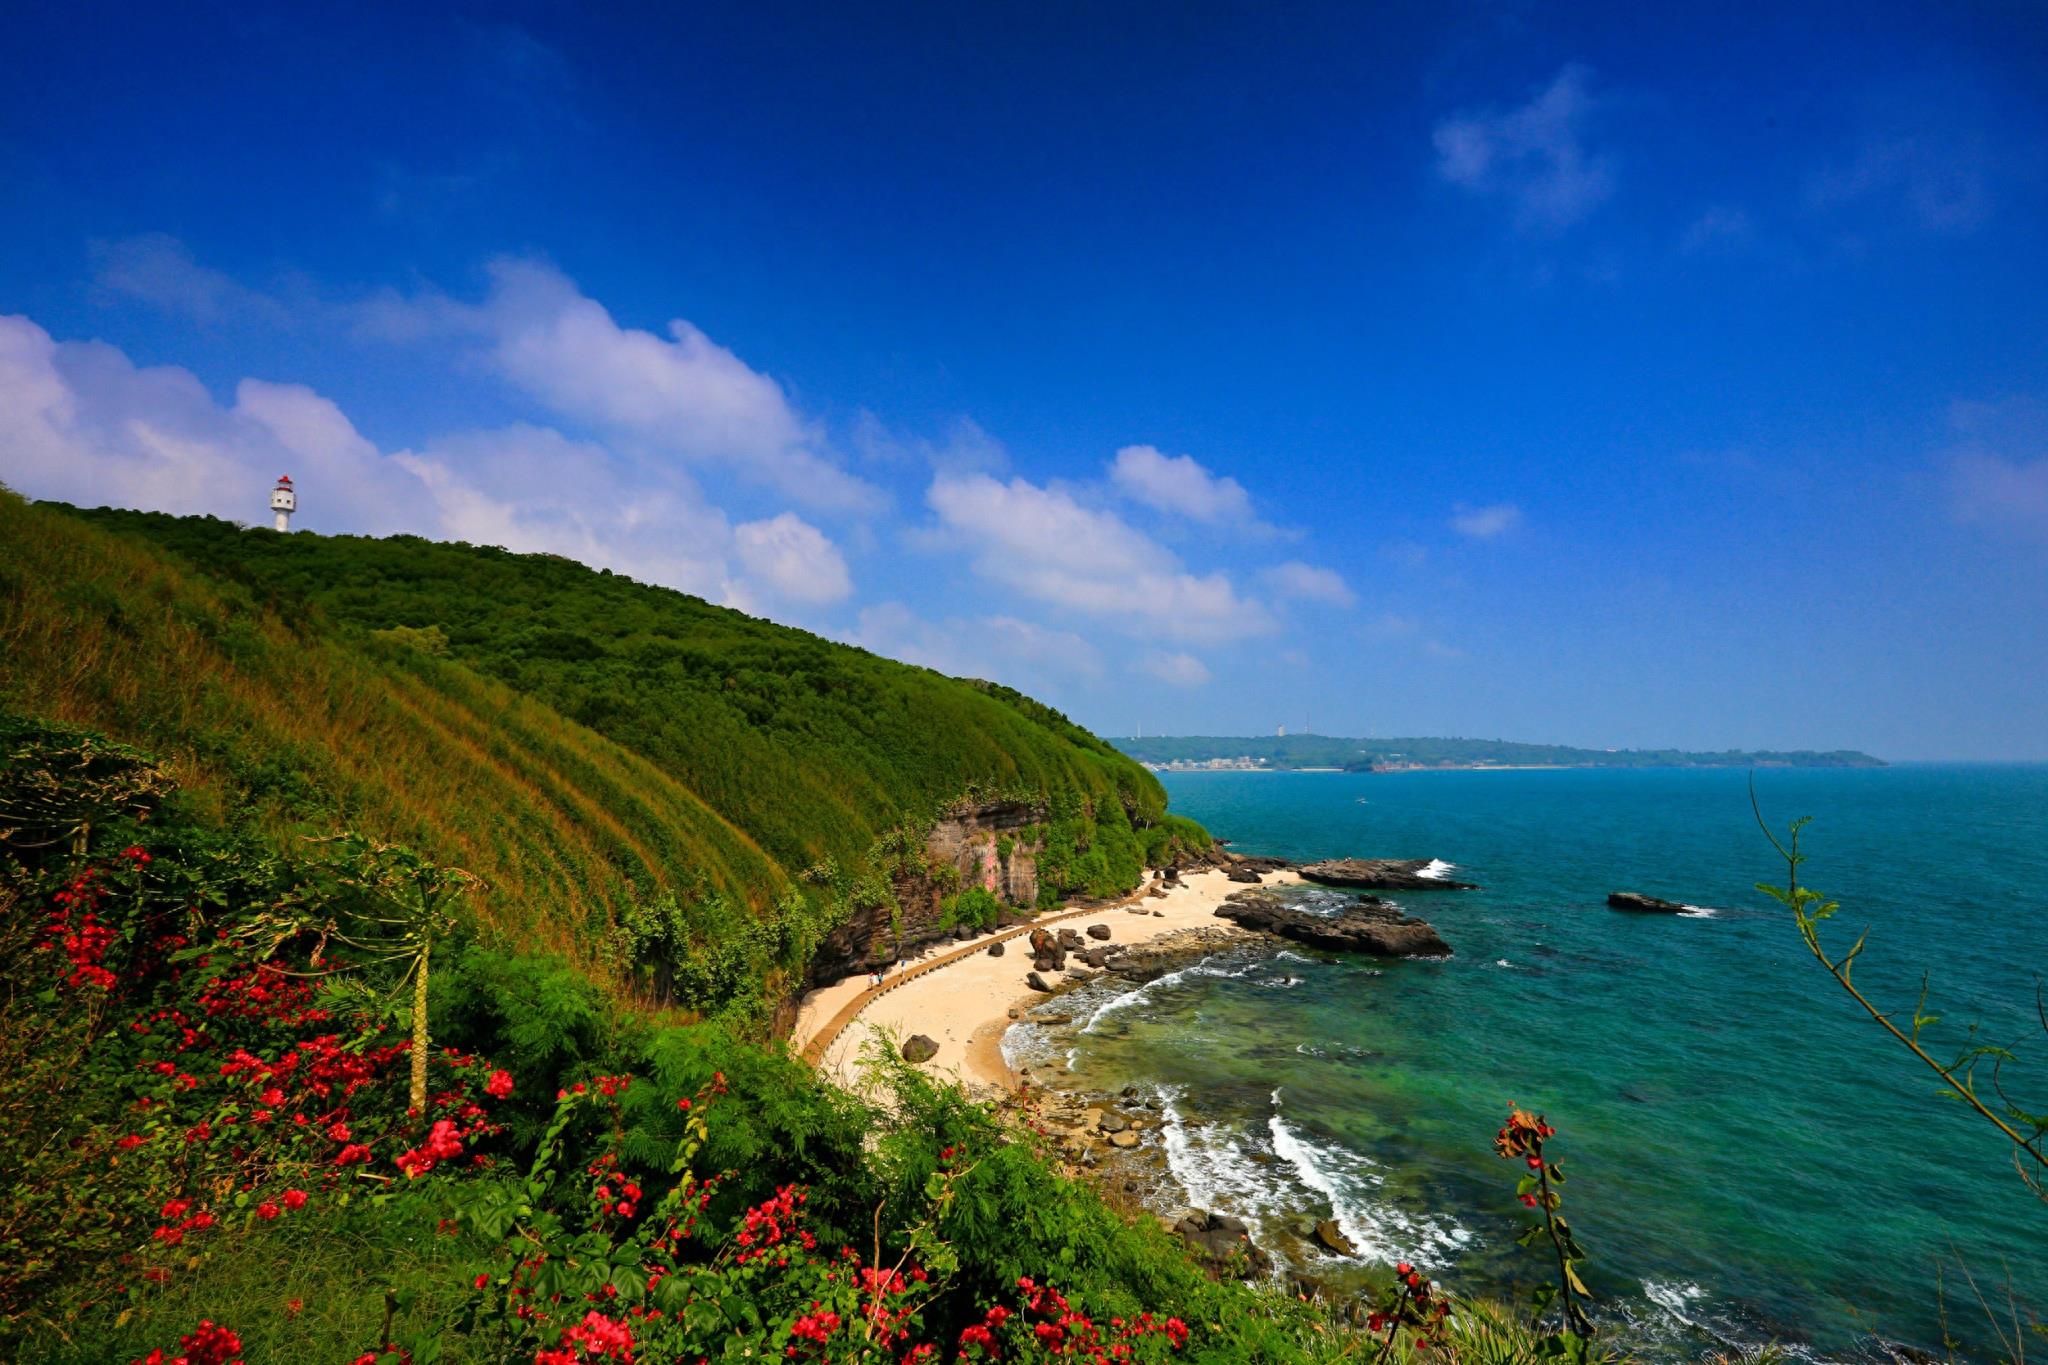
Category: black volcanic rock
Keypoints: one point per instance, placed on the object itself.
(1643, 905)
(1378, 930)
(1380, 874)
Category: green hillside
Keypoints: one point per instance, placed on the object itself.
(597, 750)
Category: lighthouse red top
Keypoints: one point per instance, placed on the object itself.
(284, 478)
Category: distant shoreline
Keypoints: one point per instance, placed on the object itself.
(1322, 753)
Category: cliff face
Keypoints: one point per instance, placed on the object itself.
(994, 846)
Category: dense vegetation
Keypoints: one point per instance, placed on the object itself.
(642, 781)
(206, 1135)
(1361, 755)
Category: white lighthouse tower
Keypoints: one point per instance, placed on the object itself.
(284, 501)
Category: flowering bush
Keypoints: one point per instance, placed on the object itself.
(186, 1076)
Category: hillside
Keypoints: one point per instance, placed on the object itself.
(641, 779)
(1370, 755)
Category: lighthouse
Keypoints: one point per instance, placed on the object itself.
(284, 502)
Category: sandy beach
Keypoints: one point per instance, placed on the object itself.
(965, 1004)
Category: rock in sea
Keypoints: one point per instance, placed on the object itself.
(1380, 874)
(1381, 930)
(1641, 904)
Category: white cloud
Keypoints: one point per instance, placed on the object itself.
(1178, 485)
(793, 559)
(1534, 156)
(80, 423)
(161, 271)
(1485, 523)
(1175, 670)
(964, 449)
(679, 395)
(1020, 653)
(1044, 544)
(1308, 583)
(1997, 470)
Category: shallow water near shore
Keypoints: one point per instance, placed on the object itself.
(1749, 1157)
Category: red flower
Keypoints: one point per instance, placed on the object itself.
(294, 1200)
(500, 1083)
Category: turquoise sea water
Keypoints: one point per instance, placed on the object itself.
(1749, 1157)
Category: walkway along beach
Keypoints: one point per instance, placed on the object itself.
(961, 997)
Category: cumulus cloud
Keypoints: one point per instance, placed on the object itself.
(793, 559)
(1533, 156)
(1486, 523)
(681, 394)
(1043, 543)
(1178, 485)
(1308, 583)
(1997, 468)
(1175, 670)
(81, 423)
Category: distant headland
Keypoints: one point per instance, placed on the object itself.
(1300, 753)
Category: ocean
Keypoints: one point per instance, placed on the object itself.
(1750, 1158)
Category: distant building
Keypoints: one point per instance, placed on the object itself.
(284, 500)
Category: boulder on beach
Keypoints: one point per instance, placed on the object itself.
(1036, 982)
(1071, 941)
(1123, 1138)
(1643, 905)
(996, 949)
(1042, 942)
(918, 1048)
(1244, 874)
(1380, 930)
(1381, 874)
(1098, 931)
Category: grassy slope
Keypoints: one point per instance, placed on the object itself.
(583, 741)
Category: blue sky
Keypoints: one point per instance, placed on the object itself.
(1608, 375)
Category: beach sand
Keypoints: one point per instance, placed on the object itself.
(965, 1005)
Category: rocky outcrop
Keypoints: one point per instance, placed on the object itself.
(983, 845)
(1380, 930)
(918, 1048)
(1244, 874)
(1643, 905)
(1380, 874)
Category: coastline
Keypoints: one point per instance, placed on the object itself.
(968, 1004)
